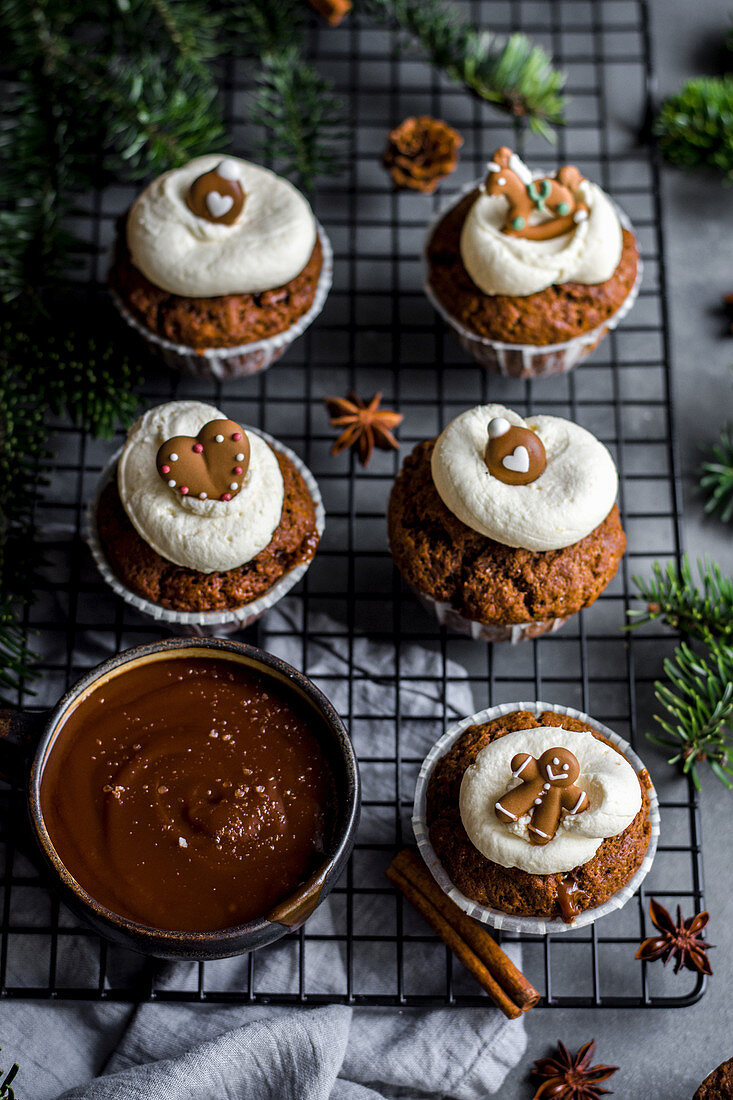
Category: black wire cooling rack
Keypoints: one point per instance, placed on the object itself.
(378, 332)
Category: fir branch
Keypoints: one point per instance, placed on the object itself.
(699, 704)
(673, 596)
(695, 127)
(512, 73)
(717, 476)
(301, 117)
(44, 366)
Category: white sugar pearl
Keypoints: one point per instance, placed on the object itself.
(202, 496)
(538, 801)
(173, 457)
(219, 438)
(239, 457)
(233, 486)
(228, 169)
(171, 484)
(501, 181)
(498, 426)
(545, 786)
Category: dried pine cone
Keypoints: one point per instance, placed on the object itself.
(421, 152)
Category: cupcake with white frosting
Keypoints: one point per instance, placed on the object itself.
(220, 265)
(531, 271)
(201, 522)
(535, 817)
(505, 527)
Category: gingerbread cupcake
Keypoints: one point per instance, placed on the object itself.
(534, 817)
(505, 527)
(203, 523)
(220, 265)
(531, 271)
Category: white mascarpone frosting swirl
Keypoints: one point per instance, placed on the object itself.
(608, 779)
(575, 492)
(502, 264)
(268, 245)
(207, 535)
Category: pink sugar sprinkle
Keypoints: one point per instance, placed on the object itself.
(225, 496)
(184, 489)
(165, 469)
(237, 436)
(237, 469)
(198, 448)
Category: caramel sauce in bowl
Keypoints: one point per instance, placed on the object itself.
(196, 799)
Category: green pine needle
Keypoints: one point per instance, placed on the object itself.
(44, 366)
(301, 117)
(698, 700)
(512, 73)
(717, 476)
(695, 127)
(672, 595)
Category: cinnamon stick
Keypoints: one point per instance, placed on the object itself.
(469, 941)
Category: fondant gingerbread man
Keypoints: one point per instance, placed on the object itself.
(547, 788)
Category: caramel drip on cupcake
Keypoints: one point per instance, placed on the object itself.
(217, 196)
(211, 466)
(514, 455)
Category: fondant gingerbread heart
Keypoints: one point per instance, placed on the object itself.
(513, 454)
(212, 466)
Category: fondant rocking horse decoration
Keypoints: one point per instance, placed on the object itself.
(557, 195)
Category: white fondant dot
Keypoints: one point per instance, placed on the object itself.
(239, 457)
(233, 486)
(219, 438)
(202, 496)
(545, 786)
(566, 767)
(555, 760)
(228, 169)
(173, 457)
(172, 484)
(498, 426)
(537, 801)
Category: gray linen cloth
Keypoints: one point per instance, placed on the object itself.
(256, 1052)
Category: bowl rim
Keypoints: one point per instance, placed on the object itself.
(145, 935)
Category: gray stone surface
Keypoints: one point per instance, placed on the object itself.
(667, 1053)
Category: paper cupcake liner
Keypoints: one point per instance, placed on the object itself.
(223, 363)
(528, 360)
(538, 926)
(204, 623)
(448, 617)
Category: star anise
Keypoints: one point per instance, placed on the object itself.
(567, 1076)
(680, 940)
(364, 425)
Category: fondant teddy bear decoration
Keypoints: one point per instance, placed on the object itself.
(547, 788)
(554, 195)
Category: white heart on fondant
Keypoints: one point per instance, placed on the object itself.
(518, 460)
(218, 205)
